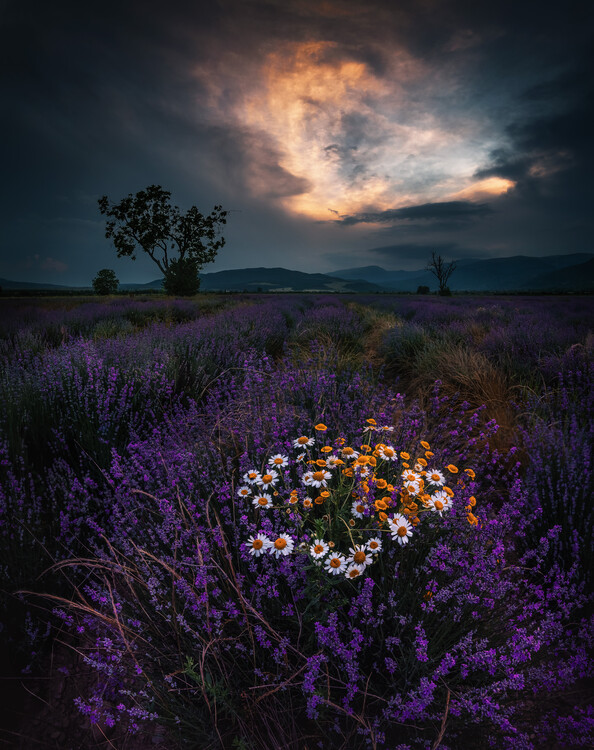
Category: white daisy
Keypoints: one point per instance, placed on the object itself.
(374, 545)
(251, 476)
(258, 544)
(354, 570)
(387, 453)
(301, 457)
(348, 452)
(413, 487)
(411, 476)
(333, 462)
(267, 480)
(387, 428)
(318, 549)
(440, 502)
(282, 545)
(303, 442)
(244, 491)
(359, 556)
(279, 461)
(400, 528)
(316, 478)
(262, 501)
(357, 509)
(335, 563)
(434, 476)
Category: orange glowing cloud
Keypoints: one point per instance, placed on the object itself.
(353, 140)
(484, 189)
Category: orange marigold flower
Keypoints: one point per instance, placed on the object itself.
(448, 491)
(325, 493)
(371, 421)
(472, 519)
(390, 488)
(380, 505)
(340, 441)
(429, 454)
(415, 521)
(425, 445)
(381, 484)
(383, 516)
(405, 465)
(404, 455)
(366, 448)
(372, 461)
(451, 468)
(422, 461)
(347, 472)
(326, 449)
(470, 473)
(321, 427)
(472, 501)
(319, 500)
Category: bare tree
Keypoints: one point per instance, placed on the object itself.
(442, 271)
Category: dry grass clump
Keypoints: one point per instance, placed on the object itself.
(463, 372)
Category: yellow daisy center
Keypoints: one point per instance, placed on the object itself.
(319, 475)
(267, 478)
(335, 562)
(354, 573)
(359, 557)
(278, 461)
(318, 549)
(257, 544)
(360, 508)
(373, 545)
(280, 543)
(438, 505)
(388, 452)
(302, 440)
(262, 501)
(402, 531)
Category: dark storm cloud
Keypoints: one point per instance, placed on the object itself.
(413, 251)
(454, 210)
(105, 98)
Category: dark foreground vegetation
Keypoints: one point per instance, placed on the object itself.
(167, 549)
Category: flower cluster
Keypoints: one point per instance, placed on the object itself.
(339, 497)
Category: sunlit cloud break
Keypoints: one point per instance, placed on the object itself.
(356, 142)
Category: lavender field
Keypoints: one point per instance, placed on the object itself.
(297, 521)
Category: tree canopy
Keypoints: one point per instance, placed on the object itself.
(105, 282)
(148, 221)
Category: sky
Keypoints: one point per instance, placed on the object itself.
(338, 133)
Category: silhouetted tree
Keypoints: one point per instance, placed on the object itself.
(105, 282)
(442, 272)
(148, 220)
(423, 290)
(182, 278)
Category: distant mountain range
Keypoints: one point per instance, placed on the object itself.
(562, 273)
(518, 273)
